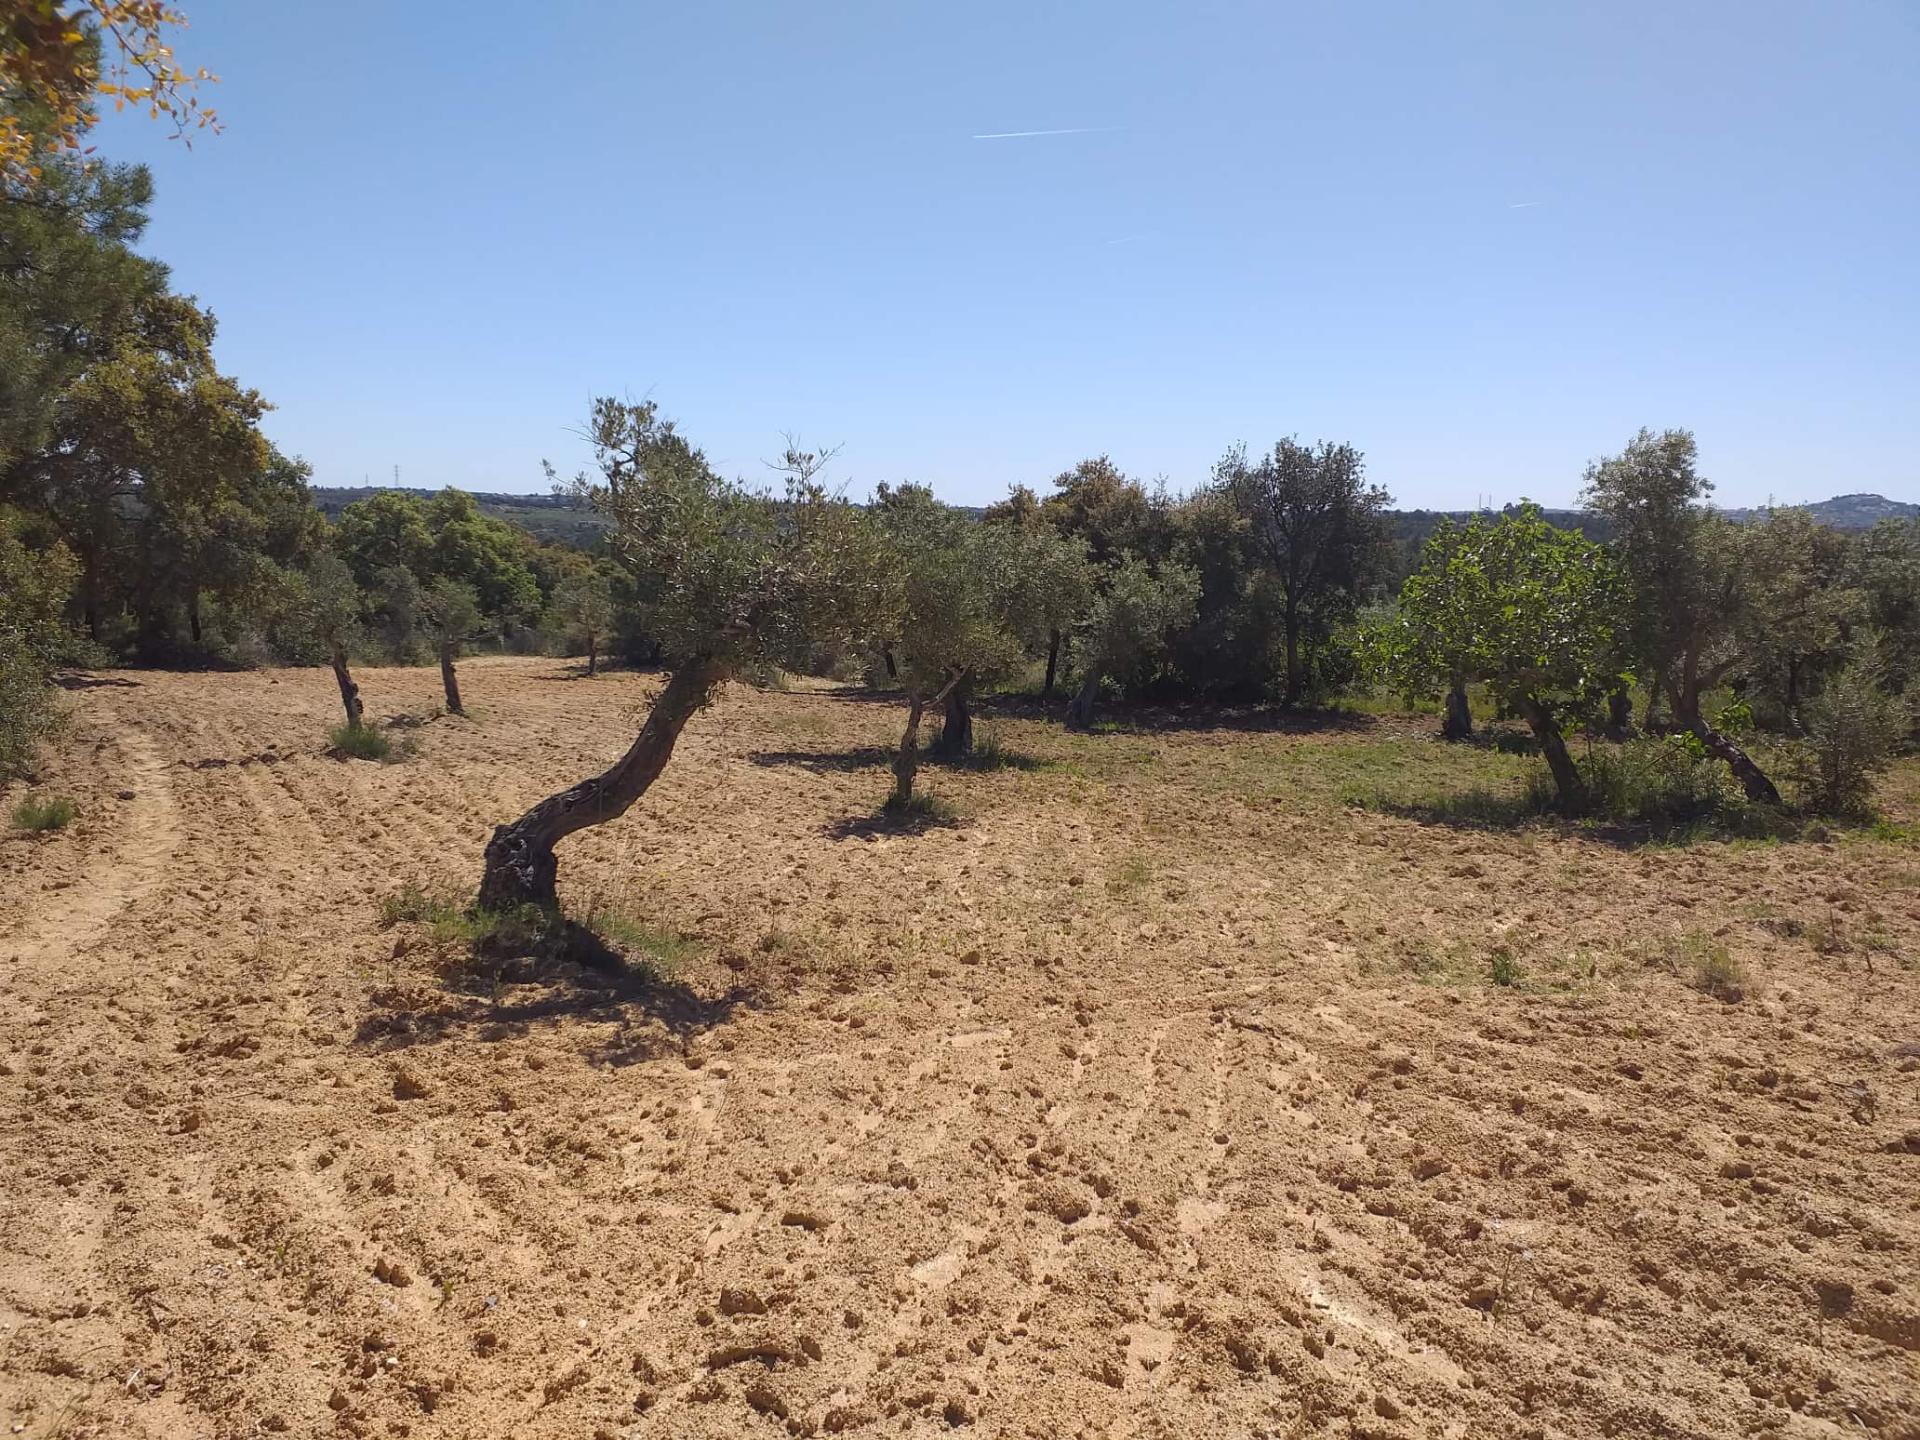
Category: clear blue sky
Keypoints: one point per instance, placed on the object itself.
(1483, 242)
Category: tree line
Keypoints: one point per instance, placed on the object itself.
(144, 516)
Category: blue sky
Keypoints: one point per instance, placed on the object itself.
(1484, 243)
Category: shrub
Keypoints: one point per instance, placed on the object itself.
(1506, 970)
(359, 742)
(1662, 783)
(38, 816)
(921, 805)
(1852, 728)
(1710, 965)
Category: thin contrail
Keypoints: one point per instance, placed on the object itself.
(1029, 134)
(1527, 205)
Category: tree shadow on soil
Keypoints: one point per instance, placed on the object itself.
(885, 822)
(574, 977)
(75, 681)
(1491, 812)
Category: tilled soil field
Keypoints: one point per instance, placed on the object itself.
(1167, 1094)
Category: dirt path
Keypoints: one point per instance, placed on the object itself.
(1141, 1106)
(65, 923)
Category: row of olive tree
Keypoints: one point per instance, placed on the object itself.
(1680, 599)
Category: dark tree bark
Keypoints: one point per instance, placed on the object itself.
(1458, 724)
(521, 868)
(907, 762)
(1653, 709)
(349, 692)
(593, 656)
(193, 616)
(893, 670)
(1752, 778)
(956, 734)
(1566, 775)
(1686, 709)
(1080, 712)
(448, 680)
(1053, 664)
(1619, 713)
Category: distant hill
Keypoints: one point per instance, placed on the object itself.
(560, 519)
(1847, 512)
(565, 520)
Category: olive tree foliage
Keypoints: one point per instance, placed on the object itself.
(1884, 571)
(742, 578)
(451, 612)
(1523, 606)
(1798, 615)
(948, 625)
(1319, 529)
(331, 607)
(1131, 617)
(583, 609)
(1690, 583)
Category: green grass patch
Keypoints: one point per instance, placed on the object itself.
(641, 944)
(40, 815)
(359, 742)
(922, 805)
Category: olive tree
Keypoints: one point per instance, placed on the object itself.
(1318, 528)
(1128, 622)
(583, 606)
(1523, 606)
(452, 613)
(946, 627)
(1690, 583)
(332, 603)
(743, 578)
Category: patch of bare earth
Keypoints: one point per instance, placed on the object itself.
(1143, 1103)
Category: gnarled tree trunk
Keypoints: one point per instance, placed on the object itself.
(448, 680)
(1566, 775)
(520, 864)
(956, 734)
(1458, 724)
(907, 762)
(349, 692)
(1752, 778)
(1080, 712)
(1053, 663)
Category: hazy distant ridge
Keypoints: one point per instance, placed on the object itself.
(570, 520)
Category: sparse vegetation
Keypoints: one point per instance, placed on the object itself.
(360, 742)
(38, 814)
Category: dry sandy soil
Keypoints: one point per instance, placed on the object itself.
(1168, 1095)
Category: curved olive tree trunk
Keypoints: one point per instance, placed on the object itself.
(1752, 778)
(907, 762)
(349, 692)
(956, 734)
(449, 681)
(1458, 724)
(520, 864)
(1566, 775)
